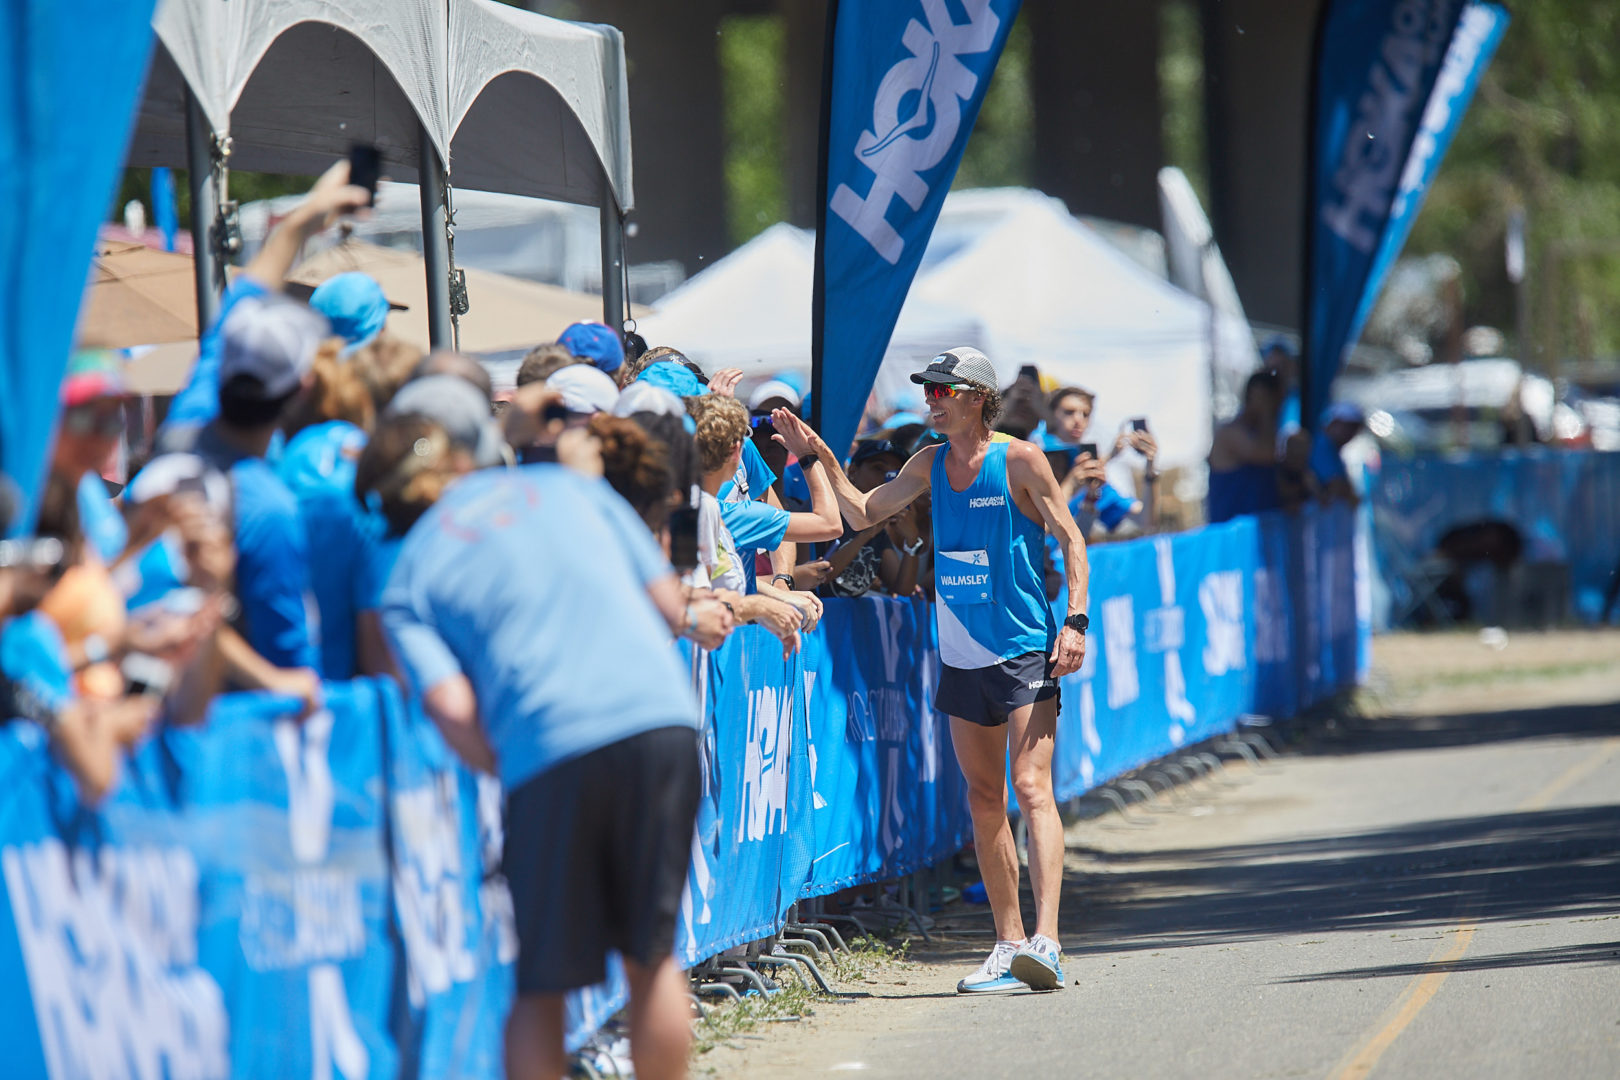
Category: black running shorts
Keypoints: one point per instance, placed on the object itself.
(988, 695)
(596, 855)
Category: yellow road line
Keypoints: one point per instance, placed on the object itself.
(1399, 1016)
(1421, 990)
(1571, 776)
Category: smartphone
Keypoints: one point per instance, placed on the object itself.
(683, 538)
(555, 410)
(1139, 423)
(1087, 448)
(1030, 372)
(1061, 461)
(365, 168)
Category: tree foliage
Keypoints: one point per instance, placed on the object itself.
(1544, 133)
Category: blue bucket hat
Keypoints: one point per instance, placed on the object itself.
(594, 342)
(355, 306)
(676, 378)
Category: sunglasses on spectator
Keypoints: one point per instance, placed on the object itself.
(93, 422)
(947, 390)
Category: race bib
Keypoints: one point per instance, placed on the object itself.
(962, 577)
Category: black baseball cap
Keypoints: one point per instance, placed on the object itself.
(959, 365)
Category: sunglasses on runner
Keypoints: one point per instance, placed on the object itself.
(947, 390)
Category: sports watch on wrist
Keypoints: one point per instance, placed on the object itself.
(1078, 622)
(914, 547)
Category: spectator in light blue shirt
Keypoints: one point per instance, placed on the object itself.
(533, 611)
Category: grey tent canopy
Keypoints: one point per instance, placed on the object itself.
(513, 101)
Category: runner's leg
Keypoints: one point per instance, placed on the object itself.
(1032, 734)
(982, 753)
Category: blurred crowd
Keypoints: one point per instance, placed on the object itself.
(1263, 460)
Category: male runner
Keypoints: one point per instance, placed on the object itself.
(993, 496)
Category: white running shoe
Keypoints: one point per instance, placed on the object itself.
(992, 976)
(1037, 965)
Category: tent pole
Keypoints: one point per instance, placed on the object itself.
(435, 242)
(613, 271)
(204, 210)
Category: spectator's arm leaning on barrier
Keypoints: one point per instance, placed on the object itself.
(863, 509)
(1029, 475)
(778, 616)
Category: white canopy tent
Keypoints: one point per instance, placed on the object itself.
(498, 98)
(751, 310)
(1051, 292)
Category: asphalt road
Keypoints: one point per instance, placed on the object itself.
(1422, 892)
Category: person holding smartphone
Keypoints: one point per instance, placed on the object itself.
(1092, 499)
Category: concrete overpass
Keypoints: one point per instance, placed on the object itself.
(1096, 120)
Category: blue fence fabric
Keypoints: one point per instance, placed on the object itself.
(1376, 67)
(264, 896)
(1565, 505)
(69, 80)
(905, 82)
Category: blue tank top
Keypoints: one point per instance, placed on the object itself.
(991, 597)
(1247, 489)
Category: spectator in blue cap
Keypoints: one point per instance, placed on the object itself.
(355, 306)
(596, 343)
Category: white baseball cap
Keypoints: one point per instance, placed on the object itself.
(272, 338)
(585, 388)
(773, 388)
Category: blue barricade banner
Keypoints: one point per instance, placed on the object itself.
(1479, 32)
(1561, 506)
(267, 896)
(1170, 658)
(904, 82)
(1376, 66)
(887, 796)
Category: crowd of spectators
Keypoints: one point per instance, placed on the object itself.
(1262, 460)
(324, 502)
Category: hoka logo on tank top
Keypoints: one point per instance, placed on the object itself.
(987, 574)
